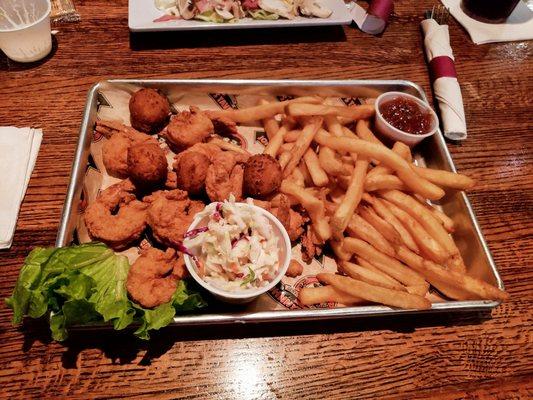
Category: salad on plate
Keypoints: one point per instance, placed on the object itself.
(223, 11)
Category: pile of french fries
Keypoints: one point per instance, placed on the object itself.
(369, 202)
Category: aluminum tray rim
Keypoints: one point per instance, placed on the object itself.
(78, 170)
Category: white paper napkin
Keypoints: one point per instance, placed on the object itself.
(519, 25)
(18, 152)
(447, 90)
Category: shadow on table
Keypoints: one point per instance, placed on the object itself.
(200, 39)
(123, 348)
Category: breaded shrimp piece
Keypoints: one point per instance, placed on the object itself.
(115, 148)
(188, 128)
(116, 229)
(153, 277)
(170, 212)
(225, 177)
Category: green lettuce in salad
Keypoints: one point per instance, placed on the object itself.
(262, 14)
(85, 284)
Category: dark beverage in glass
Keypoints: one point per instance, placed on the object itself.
(492, 11)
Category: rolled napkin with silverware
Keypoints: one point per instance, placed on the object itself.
(444, 77)
(18, 152)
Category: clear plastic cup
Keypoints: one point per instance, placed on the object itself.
(25, 33)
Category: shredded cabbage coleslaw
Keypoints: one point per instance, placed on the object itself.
(236, 250)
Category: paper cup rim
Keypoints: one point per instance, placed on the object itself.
(36, 22)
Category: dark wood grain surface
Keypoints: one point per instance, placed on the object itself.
(448, 356)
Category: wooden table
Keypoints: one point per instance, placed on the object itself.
(450, 356)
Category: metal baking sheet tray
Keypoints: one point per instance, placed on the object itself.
(432, 152)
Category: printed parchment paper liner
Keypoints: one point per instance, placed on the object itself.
(113, 105)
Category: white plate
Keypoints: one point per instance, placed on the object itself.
(142, 13)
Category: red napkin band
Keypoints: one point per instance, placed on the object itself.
(381, 9)
(442, 66)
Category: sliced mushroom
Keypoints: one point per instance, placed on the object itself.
(186, 9)
(314, 8)
(224, 13)
(277, 7)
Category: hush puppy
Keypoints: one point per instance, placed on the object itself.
(191, 171)
(147, 164)
(262, 175)
(149, 110)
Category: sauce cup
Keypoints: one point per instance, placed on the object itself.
(248, 295)
(395, 134)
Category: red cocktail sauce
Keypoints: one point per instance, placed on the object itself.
(406, 115)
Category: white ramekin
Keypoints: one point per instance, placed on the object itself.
(248, 295)
(389, 131)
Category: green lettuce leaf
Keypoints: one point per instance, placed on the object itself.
(212, 16)
(262, 14)
(86, 284)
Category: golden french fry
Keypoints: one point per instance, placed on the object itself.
(420, 290)
(318, 175)
(446, 221)
(270, 124)
(383, 182)
(391, 266)
(374, 277)
(333, 125)
(387, 157)
(275, 142)
(349, 134)
(428, 246)
(284, 159)
(430, 224)
(361, 229)
(228, 146)
(351, 113)
(399, 148)
(445, 178)
(455, 285)
(315, 208)
(285, 147)
(292, 136)
(364, 133)
(388, 216)
(297, 177)
(351, 199)
(381, 225)
(330, 163)
(337, 247)
(308, 181)
(368, 265)
(309, 296)
(261, 111)
(375, 294)
(302, 144)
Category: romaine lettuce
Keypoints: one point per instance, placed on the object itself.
(85, 284)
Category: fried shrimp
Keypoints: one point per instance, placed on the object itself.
(170, 212)
(225, 176)
(115, 149)
(188, 128)
(116, 228)
(153, 277)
